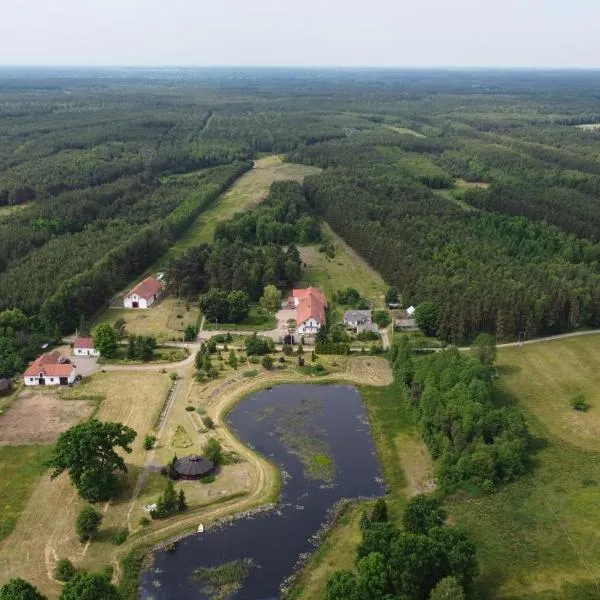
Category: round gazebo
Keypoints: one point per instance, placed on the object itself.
(193, 466)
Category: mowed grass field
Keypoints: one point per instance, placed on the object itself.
(248, 191)
(166, 320)
(545, 376)
(345, 269)
(21, 467)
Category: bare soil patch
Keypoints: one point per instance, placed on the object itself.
(40, 417)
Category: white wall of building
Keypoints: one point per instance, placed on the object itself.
(131, 299)
(85, 352)
(48, 380)
(309, 326)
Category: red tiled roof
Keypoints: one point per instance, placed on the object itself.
(303, 293)
(312, 304)
(51, 364)
(147, 289)
(83, 342)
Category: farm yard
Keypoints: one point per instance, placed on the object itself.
(166, 320)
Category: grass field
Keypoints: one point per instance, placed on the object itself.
(345, 269)
(21, 468)
(166, 320)
(257, 320)
(545, 376)
(249, 190)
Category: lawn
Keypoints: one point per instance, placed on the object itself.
(345, 269)
(20, 469)
(6, 211)
(248, 191)
(166, 320)
(545, 376)
(257, 320)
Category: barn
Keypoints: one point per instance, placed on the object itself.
(144, 294)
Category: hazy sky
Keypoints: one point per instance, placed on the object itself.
(561, 33)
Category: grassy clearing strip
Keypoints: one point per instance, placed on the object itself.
(336, 552)
(21, 467)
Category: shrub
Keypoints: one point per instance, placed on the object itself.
(88, 523)
(367, 336)
(213, 451)
(209, 478)
(267, 362)
(287, 349)
(208, 422)
(149, 442)
(64, 570)
(252, 373)
(173, 376)
(190, 408)
(120, 537)
(144, 521)
(579, 402)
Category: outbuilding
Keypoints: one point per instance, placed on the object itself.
(193, 467)
(84, 346)
(410, 311)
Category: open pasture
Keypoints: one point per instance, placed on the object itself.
(545, 376)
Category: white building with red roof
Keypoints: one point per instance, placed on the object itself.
(144, 294)
(84, 346)
(51, 368)
(310, 305)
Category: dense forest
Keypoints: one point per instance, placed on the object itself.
(476, 192)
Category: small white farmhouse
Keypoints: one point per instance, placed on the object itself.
(51, 368)
(144, 294)
(84, 346)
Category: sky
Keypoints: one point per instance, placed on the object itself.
(377, 33)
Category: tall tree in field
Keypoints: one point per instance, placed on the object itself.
(87, 453)
(19, 589)
(106, 340)
(271, 299)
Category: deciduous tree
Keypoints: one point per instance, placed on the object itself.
(87, 452)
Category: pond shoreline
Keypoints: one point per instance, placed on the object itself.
(334, 413)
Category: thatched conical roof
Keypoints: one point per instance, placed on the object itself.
(193, 466)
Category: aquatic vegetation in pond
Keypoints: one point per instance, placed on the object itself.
(219, 583)
(301, 437)
(321, 467)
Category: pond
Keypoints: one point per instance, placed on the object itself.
(318, 436)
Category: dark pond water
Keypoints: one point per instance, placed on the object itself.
(295, 426)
